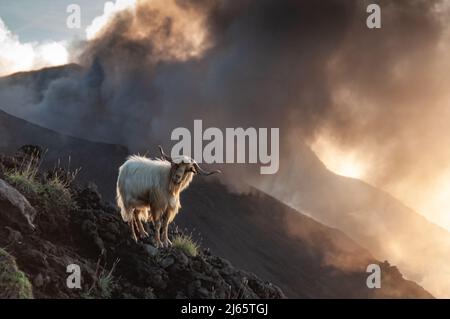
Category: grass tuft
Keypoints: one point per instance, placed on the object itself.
(104, 282)
(24, 182)
(53, 191)
(57, 194)
(14, 284)
(24, 177)
(186, 244)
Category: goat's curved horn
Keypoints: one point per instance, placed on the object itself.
(164, 155)
(201, 171)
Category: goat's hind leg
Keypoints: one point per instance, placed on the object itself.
(157, 237)
(140, 227)
(129, 215)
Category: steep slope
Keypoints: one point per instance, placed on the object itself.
(254, 231)
(103, 159)
(371, 217)
(90, 236)
(21, 91)
(37, 81)
(305, 258)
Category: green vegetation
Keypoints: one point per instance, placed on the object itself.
(104, 283)
(14, 284)
(24, 178)
(53, 191)
(186, 244)
(56, 193)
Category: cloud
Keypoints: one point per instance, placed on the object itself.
(16, 56)
(109, 12)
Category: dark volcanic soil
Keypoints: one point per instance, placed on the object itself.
(92, 235)
(255, 231)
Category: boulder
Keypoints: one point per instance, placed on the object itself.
(15, 208)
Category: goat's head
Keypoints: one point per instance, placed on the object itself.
(184, 167)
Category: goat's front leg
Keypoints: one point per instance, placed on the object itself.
(166, 241)
(133, 231)
(157, 233)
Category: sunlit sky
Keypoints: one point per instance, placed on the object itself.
(345, 163)
(433, 203)
(35, 34)
(45, 20)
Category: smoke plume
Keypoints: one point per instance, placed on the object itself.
(312, 68)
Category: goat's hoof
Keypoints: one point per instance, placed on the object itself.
(159, 244)
(167, 243)
(143, 235)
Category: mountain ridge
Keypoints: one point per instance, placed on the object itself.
(253, 230)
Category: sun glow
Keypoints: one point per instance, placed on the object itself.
(347, 167)
(338, 161)
(434, 202)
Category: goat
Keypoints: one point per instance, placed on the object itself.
(149, 190)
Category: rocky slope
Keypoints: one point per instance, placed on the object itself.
(304, 257)
(46, 228)
(41, 236)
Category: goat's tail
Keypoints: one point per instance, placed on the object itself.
(126, 215)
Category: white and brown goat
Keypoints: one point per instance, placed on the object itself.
(149, 190)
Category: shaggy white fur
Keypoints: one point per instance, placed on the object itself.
(145, 185)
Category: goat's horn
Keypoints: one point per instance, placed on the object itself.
(201, 171)
(164, 155)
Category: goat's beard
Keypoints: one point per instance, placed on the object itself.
(176, 182)
(176, 188)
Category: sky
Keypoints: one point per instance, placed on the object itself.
(45, 20)
(36, 34)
